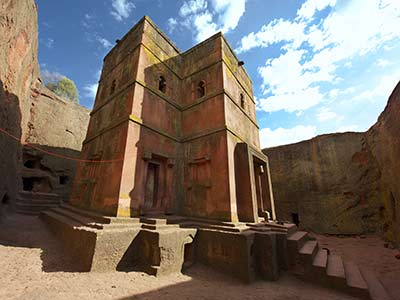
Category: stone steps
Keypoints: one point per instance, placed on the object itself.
(85, 213)
(376, 289)
(318, 265)
(308, 252)
(83, 220)
(40, 196)
(33, 203)
(355, 281)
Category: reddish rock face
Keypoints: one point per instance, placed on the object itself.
(176, 127)
(32, 114)
(18, 71)
(384, 142)
(343, 183)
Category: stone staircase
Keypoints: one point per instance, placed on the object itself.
(297, 252)
(312, 263)
(33, 203)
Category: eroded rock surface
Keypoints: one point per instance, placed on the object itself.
(18, 70)
(384, 141)
(343, 183)
(32, 114)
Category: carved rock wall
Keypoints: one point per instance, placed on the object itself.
(18, 69)
(343, 183)
(384, 142)
(32, 113)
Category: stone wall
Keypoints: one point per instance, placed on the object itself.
(32, 113)
(342, 183)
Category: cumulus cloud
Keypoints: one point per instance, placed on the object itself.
(310, 7)
(276, 31)
(121, 9)
(229, 13)
(192, 7)
(206, 20)
(284, 136)
(312, 53)
(171, 24)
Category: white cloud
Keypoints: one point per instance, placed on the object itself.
(121, 9)
(310, 7)
(283, 136)
(223, 15)
(192, 7)
(325, 114)
(383, 88)
(292, 101)
(171, 24)
(91, 90)
(289, 85)
(382, 62)
(104, 42)
(205, 26)
(229, 12)
(276, 31)
(351, 30)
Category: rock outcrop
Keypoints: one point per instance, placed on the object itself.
(19, 69)
(343, 183)
(57, 127)
(32, 114)
(384, 142)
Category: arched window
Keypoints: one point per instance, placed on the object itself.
(242, 102)
(201, 89)
(162, 86)
(113, 86)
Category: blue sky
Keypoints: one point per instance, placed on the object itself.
(317, 66)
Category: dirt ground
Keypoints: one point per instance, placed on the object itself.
(34, 266)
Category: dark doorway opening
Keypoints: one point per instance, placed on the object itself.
(295, 219)
(36, 184)
(152, 181)
(5, 200)
(63, 179)
(30, 164)
(28, 184)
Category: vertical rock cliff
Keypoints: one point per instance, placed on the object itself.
(18, 72)
(343, 183)
(32, 114)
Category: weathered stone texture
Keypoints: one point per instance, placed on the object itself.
(32, 113)
(384, 142)
(57, 126)
(18, 69)
(331, 182)
(343, 183)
